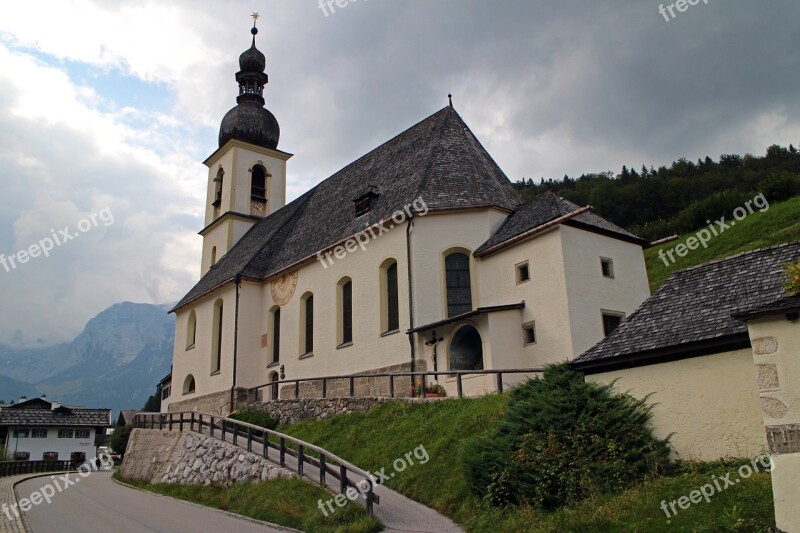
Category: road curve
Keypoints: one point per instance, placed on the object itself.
(97, 503)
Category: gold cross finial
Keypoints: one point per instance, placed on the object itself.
(255, 16)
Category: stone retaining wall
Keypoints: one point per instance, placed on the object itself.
(217, 403)
(363, 387)
(291, 411)
(157, 456)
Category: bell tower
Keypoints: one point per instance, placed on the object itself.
(247, 173)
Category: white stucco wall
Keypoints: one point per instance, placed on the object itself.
(38, 446)
(709, 403)
(590, 293)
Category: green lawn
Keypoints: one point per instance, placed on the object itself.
(288, 502)
(779, 224)
(373, 441)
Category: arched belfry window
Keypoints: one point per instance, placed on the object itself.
(466, 350)
(459, 288)
(258, 187)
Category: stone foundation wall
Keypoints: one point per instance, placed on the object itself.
(363, 387)
(186, 457)
(291, 411)
(216, 403)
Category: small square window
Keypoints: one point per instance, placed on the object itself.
(523, 272)
(529, 333)
(607, 266)
(611, 321)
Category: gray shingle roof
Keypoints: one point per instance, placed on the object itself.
(438, 160)
(62, 417)
(692, 313)
(548, 207)
(789, 304)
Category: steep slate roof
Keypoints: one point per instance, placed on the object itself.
(438, 160)
(691, 314)
(62, 417)
(547, 207)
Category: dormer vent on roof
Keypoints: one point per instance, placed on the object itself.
(364, 202)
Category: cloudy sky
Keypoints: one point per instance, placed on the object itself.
(109, 107)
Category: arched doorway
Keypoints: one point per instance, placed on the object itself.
(466, 350)
(273, 390)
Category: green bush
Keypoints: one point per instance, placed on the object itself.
(119, 439)
(562, 440)
(257, 418)
(792, 284)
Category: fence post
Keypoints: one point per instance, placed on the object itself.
(322, 468)
(460, 385)
(352, 387)
(249, 439)
(424, 385)
(296, 389)
(342, 479)
(391, 385)
(300, 458)
(370, 497)
(180, 422)
(211, 425)
(283, 452)
(324, 388)
(500, 383)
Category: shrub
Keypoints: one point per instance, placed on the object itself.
(257, 418)
(562, 440)
(119, 439)
(792, 285)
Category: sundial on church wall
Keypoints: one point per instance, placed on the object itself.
(283, 288)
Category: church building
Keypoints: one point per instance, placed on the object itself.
(420, 255)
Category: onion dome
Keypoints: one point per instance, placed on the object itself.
(250, 121)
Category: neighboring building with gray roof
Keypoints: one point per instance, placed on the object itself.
(38, 429)
(422, 238)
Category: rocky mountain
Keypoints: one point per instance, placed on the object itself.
(115, 362)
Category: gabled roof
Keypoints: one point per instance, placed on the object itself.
(126, 417)
(62, 417)
(546, 208)
(692, 313)
(438, 160)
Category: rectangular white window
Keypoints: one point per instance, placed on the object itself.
(21, 433)
(65, 433)
(529, 333)
(523, 272)
(39, 433)
(607, 267)
(82, 433)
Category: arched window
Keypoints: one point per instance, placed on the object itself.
(188, 384)
(307, 324)
(213, 255)
(218, 188)
(191, 330)
(390, 301)
(459, 289)
(466, 350)
(216, 338)
(258, 183)
(345, 311)
(276, 335)
(273, 390)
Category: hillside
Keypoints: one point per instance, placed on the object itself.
(779, 224)
(115, 362)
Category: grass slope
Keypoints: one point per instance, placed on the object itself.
(779, 224)
(373, 441)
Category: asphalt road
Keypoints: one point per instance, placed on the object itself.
(97, 503)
